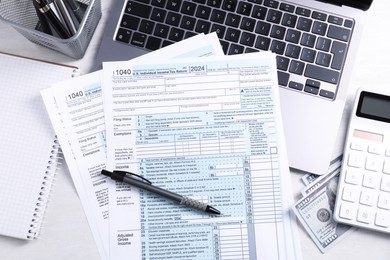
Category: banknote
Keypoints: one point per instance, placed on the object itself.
(309, 178)
(334, 170)
(315, 212)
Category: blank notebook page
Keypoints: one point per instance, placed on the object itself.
(28, 153)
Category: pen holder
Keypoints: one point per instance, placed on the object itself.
(22, 16)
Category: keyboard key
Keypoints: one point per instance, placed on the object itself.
(173, 5)
(297, 67)
(229, 5)
(235, 49)
(339, 33)
(308, 55)
(293, 51)
(188, 23)
(348, 23)
(384, 201)
(176, 34)
(173, 19)
(289, 20)
(219, 29)
(287, 7)
(371, 180)
(303, 11)
(348, 211)
(232, 35)
(214, 3)
(354, 176)
(153, 43)
(233, 20)
(138, 9)
(278, 47)
(385, 183)
(274, 16)
(123, 35)
(313, 83)
(202, 26)
(319, 28)
(356, 159)
(293, 36)
(368, 197)
(271, 3)
(308, 40)
(263, 43)
(130, 22)
(322, 74)
(323, 59)
(382, 218)
(311, 90)
(247, 39)
(373, 163)
(326, 94)
(319, 16)
(218, 16)
(323, 44)
(158, 15)
(335, 20)
(263, 28)
(188, 8)
(365, 215)
(248, 24)
(203, 12)
(295, 85)
(259, 12)
(161, 30)
(283, 78)
(146, 26)
(304, 24)
(138, 39)
(278, 32)
(159, 3)
(244, 8)
(282, 63)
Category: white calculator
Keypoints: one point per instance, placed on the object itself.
(363, 195)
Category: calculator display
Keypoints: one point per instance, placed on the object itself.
(374, 106)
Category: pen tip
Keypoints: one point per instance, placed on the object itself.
(212, 210)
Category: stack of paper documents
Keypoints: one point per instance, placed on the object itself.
(194, 122)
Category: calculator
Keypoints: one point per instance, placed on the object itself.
(363, 195)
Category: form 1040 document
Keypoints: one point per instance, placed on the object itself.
(210, 129)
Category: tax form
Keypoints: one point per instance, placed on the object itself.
(76, 110)
(209, 129)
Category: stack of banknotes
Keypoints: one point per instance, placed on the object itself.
(315, 209)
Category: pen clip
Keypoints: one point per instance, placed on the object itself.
(139, 176)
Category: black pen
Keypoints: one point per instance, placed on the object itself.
(52, 19)
(144, 184)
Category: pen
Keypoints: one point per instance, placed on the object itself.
(52, 19)
(78, 12)
(144, 184)
(60, 5)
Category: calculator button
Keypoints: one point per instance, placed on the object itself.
(386, 166)
(373, 163)
(353, 176)
(356, 159)
(350, 193)
(385, 184)
(365, 215)
(388, 152)
(347, 211)
(382, 218)
(371, 180)
(384, 201)
(358, 146)
(368, 197)
(376, 149)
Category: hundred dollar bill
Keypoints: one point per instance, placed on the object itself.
(309, 178)
(334, 170)
(315, 212)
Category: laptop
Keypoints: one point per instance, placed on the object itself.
(315, 42)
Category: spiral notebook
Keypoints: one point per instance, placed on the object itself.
(28, 148)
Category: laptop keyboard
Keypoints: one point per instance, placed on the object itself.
(310, 45)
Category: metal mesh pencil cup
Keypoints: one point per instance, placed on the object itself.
(21, 15)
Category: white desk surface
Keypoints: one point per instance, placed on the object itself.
(66, 234)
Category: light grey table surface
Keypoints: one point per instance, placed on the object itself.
(66, 234)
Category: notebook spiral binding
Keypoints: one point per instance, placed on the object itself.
(45, 192)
